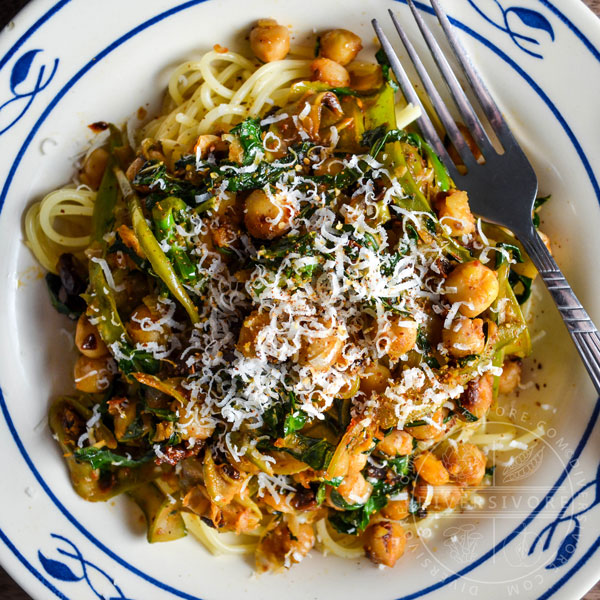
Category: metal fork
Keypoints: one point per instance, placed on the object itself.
(504, 188)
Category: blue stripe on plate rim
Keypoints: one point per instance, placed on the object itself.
(156, 19)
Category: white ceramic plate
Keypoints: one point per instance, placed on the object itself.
(67, 63)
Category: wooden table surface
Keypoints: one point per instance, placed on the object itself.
(9, 590)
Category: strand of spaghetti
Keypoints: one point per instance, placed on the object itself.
(211, 539)
(179, 81)
(36, 240)
(206, 90)
(218, 112)
(80, 203)
(209, 76)
(271, 85)
(334, 547)
(265, 70)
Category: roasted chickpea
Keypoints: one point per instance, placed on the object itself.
(329, 72)
(88, 340)
(375, 378)
(400, 337)
(430, 468)
(473, 284)
(365, 76)
(357, 462)
(194, 426)
(511, 376)
(385, 542)
(396, 443)
(439, 497)
(143, 327)
(478, 396)
(303, 538)
(251, 327)
(319, 353)
(546, 241)
(395, 510)
(472, 146)
(340, 45)
(453, 210)
(269, 40)
(291, 541)
(267, 217)
(464, 337)
(431, 431)
(355, 489)
(93, 375)
(93, 168)
(465, 463)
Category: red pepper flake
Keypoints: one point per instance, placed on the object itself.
(220, 49)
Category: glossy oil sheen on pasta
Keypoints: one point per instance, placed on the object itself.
(290, 325)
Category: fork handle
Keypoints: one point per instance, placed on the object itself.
(578, 322)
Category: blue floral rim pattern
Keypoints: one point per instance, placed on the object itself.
(525, 15)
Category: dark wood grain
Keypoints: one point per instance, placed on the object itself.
(9, 590)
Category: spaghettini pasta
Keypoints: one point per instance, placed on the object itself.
(290, 325)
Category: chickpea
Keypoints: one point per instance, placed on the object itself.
(546, 241)
(142, 326)
(478, 396)
(472, 146)
(303, 538)
(269, 40)
(430, 431)
(267, 217)
(511, 376)
(464, 337)
(396, 443)
(453, 210)
(385, 542)
(88, 340)
(365, 76)
(440, 496)
(93, 168)
(355, 489)
(321, 352)
(329, 72)
(291, 540)
(430, 468)
(401, 337)
(251, 327)
(357, 462)
(340, 45)
(194, 426)
(375, 378)
(93, 375)
(395, 510)
(465, 463)
(476, 286)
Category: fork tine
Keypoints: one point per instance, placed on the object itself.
(409, 93)
(462, 102)
(451, 129)
(492, 112)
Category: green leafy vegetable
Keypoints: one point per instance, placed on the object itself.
(249, 134)
(100, 458)
(386, 69)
